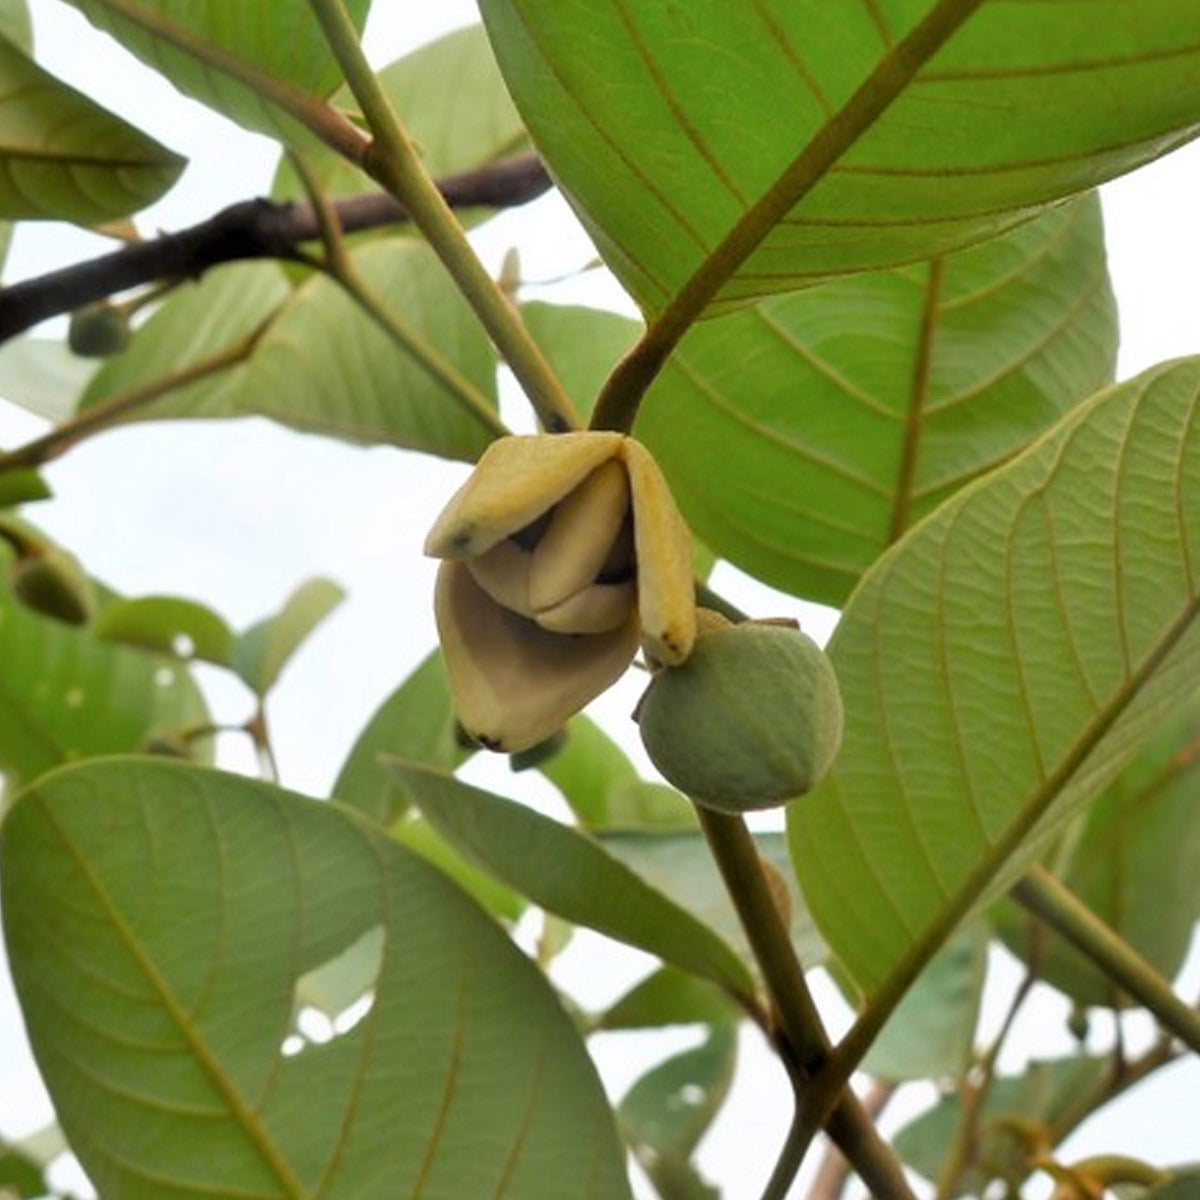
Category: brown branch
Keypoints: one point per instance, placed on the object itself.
(247, 230)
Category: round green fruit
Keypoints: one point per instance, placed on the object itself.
(751, 720)
(98, 330)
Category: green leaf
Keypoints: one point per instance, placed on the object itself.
(65, 158)
(416, 723)
(668, 997)
(1184, 1186)
(454, 105)
(22, 485)
(14, 20)
(1014, 1108)
(423, 839)
(20, 1175)
(1132, 861)
(43, 376)
(65, 695)
(581, 344)
(602, 786)
(680, 865)
(931, 1034)
(320, 364)
(178, 908)
(170, 624)
(845, 413)
(668, 1110)
(777, 143)
(262, 651)
(1001, 666)
(251, 61)
(568, 874)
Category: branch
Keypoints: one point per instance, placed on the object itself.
(248, 230)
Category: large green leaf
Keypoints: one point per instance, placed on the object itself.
(727, 151)
(65, 694)
(64, 157)
(42, 375)
(454, 105)
(416, 723)
(254, 61)
(319, 363)
(1132, 861)
(1001, 666)
(158, 920)
(803, 435)
(568, 874)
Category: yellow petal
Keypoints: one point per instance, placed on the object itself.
(513, 683)
(503, 572)
(581, 532)
(666, 592)
(516, 480)
(595, 609)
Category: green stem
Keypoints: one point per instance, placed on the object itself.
(392, 161)
(101, 416)
(805, 1044)
(617, 405)
(339, 266)
(1052, 902)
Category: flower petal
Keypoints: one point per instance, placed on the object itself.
(581, 532)
(666, 592)
(515, 481)
(515, 684)
(595, 609)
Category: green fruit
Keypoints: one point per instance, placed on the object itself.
(52, 582)
(751, 720)
(98, 330)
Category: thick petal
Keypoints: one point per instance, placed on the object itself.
(666, 592)
(503, 572)
(596, 609)
(579, 537)
(516, 480)
(515, 684)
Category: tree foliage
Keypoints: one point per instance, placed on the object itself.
(875, 362)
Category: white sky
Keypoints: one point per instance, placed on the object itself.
(190, 510)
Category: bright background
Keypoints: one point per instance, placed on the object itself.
(236, 514)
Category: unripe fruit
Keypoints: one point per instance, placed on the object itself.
(98, 330)
(752, 719)
(52, 582)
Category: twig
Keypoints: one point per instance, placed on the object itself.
(834, 1172)
(392, 160)
(1050, 901)
(50, 445)
(248, 230)
(804, 1043)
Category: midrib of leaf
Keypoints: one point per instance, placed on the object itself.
(616, 406)
(889, 993)
(245, 1116)
(918, 400)
(319, 118)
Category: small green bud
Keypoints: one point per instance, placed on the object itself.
(51, 582)
(98, 330)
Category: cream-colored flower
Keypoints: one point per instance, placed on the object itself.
(562, 552)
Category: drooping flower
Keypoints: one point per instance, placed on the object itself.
(562, 552)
